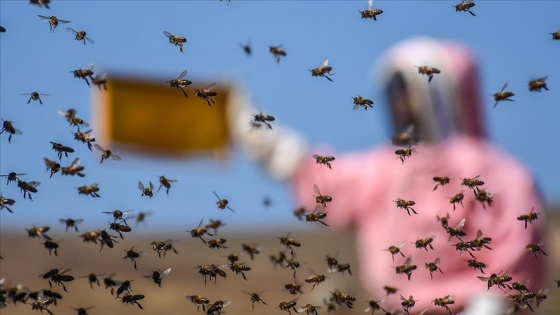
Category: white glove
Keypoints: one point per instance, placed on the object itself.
(279, 150)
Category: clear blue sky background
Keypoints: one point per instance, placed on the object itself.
(511, 40)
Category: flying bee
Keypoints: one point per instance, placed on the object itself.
(247, 48)
(73, 169)
(535, 248)
(277, 51)
(75, 120)
(180, 83)
(322, 70)
(140, 217)
(132, 299)
(251, 249)
(164, 182)
(239, 268)
(406, 205)
(407, 304)
(199, 231)
(289, 242)
(294, 288)
(429, 71)
(100, 81)
(465, 6)
(407, 268)
(456, 231)
(217, 243)
(105, 154)
(407, 138)
(91, 236)
(555, 35)
(332, 262)
(441, 180)
(390, 290)
(343, 267)
(106, 239)
(255, 298)
(433, 267)
(89, 190)
(217, 307)
(43, 304)
(475, 264)
(293, 264)
(424, 243)
(53, 166)
(84, 74)
(206, 272)
(118, 215)
(362, 101)
(207, 94)
(444, 220)
(27, 188)
(541, 295)
(84, 137)
(92, 279)
(463, 247)
(317, 215)
(58, 277)
(287, 306)
(278, 259)
(309, 309)
(51, 246)
(324, 159)
(124, 286)
(444, 302)
(484, 197)
(158, 275)
(264, 118)
(534, 85)
(61, 149)
(133, 255)
(8, 127)
(404, 153)
(222, 203)
(175, 39)
(299, 213)
(396, 250)
(500, 280)
(331, 306)
(519, 286)
(38, 231)
(198, 301)
(53, 21)
(119, 228)
(149, 192)
(163, 247)
(529, 217)
(214, 225)
(374, 306)
(81, 35)
(458, 198)
(41, 3)
(35, 96)
(5, 202)
(319, 198)
(503, 95)
(343, 298)
(12, 177)
(315, 278)
(82, 310)
(523, 298)
(473, 183)
(370, 13)
(479, 242)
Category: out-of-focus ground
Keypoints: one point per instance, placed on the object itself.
(25, 259)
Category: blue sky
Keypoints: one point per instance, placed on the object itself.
(510, 38)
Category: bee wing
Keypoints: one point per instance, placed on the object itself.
(504, 87)
(44, 17)
(63, 221)
(69, 29)
(408, 260)
(78, 221)
(209, 88)
(151, 185)
(182, 75)
(215, 194)
(115, 157)
(167, 34)
(98, 147)
(76, 162)
(356, 107)
(316, 190)
(324, 63)
(461, 224)
(90, 40)
(34, 184)
(140, 185)
(63, 21)
(165, 272)
(89, 67)
(479, 234)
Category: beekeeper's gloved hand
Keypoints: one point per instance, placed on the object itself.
(279, 150)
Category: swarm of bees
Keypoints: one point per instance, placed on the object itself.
(46, 300)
